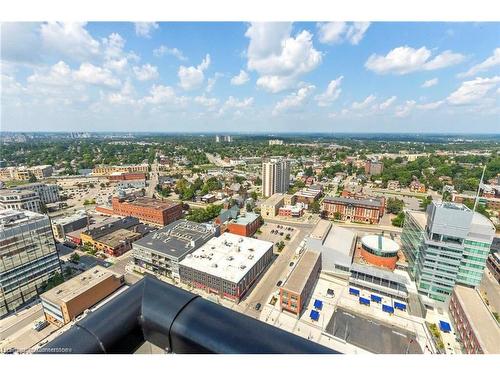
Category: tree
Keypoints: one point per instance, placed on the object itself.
(53, 281)
(398, 221)
(315, 207)
(425, 202)
(249, 207)
(394, 206)
(309, 172)
(74, 258)
(287, 237)
(254, 195)
(337, 216)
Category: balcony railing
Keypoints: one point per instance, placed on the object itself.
(176, 321)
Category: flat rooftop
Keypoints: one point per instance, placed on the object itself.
(372, 335)
(228, 256)
(298, 278)
(483, 324)
(340, 239)
(419, 217)
(371, 202)
(151, 203)
(273, 200)
(321, 229)
(177, 239)
(74, 287)
(246, 218)
(11, 218)
(114, 239)
(63, 220)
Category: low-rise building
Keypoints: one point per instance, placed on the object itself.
(48, 193)
(161, 251)
(149, 210)
(393, 185)
(493, 264)
(65, 302)
(478, 330)
(115, 237)
(295, 292)
(374, 167)
(227, 265)
(66, 224)
(336, 245)
(365, 210)
(108, 170)
(270, 207)
(296, 210)
(246, 224)
(309, 194)
(20, 200)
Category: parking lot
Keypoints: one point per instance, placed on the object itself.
(275, 233)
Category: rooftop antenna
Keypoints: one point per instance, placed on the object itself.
(479, 189)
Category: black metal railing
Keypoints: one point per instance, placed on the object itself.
(176, 321)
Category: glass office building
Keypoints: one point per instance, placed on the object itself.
(28, 257)
(447, 245)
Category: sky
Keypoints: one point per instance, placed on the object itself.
(251, 77)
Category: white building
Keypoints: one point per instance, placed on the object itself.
(48, 193)
(275, 177)
(20, 200)
(226, 265)
(273, 142)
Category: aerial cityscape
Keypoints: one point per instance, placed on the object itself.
(250, 188)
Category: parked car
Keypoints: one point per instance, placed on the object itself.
(291, 264)
(257, 306)
(40, 324)
(279, 283)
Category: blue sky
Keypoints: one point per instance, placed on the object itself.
(244, 77)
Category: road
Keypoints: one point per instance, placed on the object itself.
(492, 289)
(265, 286)
(15, 323)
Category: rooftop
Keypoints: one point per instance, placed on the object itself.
(419, 217)
(79, 284)
(483, 324)
(298, 278)
(246, 218)
(115, 238)
(273, 200)
(380, 243)
(177, 239)
(228, 256)
(11, 218)
(151, 203)
(372, 202)
(62, 220)
(321, 230)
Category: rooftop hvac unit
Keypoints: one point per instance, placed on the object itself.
(230, 258)
(214, 265)
(243, 267)
(250, 257)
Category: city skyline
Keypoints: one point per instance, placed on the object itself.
(243, 77)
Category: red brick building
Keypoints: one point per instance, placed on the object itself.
(127, 177)
(149, 210)
(364, 210)
(245, 225)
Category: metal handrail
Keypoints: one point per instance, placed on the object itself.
(177, 321)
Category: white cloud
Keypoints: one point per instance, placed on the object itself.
(163, 95)
(386, 104)
(294, 100)
(240, 79)
(490, 62)
(145, 29)
(473, 91)
(206, 101)
(405, 109)
(432, 105)
(430, 83)
(404, 60)
(279, 58)
(338, 32)
(71, 40)
(124, 96)
(331, 94)
(192, 77)
(164, 50)
(95, 75)
(365, 103)
(212, 81)
(234, 103)
(59, 74)
(146, 72)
